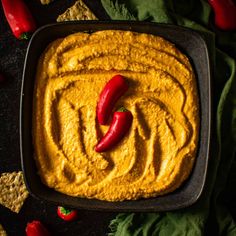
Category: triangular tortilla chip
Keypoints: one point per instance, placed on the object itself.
(45, 1)
(2, 231)
(79, 11)
(12, 190)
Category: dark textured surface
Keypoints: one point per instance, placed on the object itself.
(12, 53)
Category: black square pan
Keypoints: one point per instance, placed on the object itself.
(188, 42)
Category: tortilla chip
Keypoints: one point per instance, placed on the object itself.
(13, 191)
(79, 11)
(2, 231)
(45, 1)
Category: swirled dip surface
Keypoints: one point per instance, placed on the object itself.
(157, 154)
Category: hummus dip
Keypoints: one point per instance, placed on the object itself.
(158, 152)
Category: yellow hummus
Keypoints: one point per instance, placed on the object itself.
(158, 152)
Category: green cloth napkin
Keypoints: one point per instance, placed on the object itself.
(211, 215)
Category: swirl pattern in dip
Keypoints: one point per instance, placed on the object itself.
(157, 154)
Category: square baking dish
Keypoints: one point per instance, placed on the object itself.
(190, 43)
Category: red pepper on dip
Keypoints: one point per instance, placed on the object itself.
(110, 94)
(120, 125)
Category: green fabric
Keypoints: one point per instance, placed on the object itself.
(220, 188)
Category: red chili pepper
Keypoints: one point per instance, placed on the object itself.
(112, 91)
(121, 122)
(36, 228)
(19, 18)
(67, 214)
(225, 13)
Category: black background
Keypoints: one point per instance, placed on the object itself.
(12, 54)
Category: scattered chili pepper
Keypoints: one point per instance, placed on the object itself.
(112, 91)
(225, 13)
(120, 124)
(67, 214)
(36, 228)
(19, 18)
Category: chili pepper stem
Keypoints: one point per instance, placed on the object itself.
(25, 36)
(122, 109)
(65, 211)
